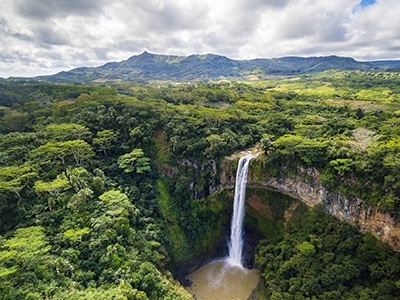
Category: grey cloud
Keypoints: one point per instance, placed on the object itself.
(8, 31)
(297, 28)
(170, 16)
(80, 56)
(222, 44)
(101, 53)
(133, 45)
(393, 48)
(331, 32)
(6, 57)
(277, 3)
(330, 27)
(20, 57)
(44, 9)
(46, 35)
(187, 17)
(245, 16)
(321, 27)
(257, 4)
(130, 45)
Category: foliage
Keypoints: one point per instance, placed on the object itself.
(135, 161)
(112, 187)
(14, 178)
(322, 258)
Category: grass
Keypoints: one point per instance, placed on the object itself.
(162, 147)
(177, 237)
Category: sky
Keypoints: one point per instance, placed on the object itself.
(41, 37)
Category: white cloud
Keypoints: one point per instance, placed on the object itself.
(44, 37)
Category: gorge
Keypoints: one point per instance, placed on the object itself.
(349, 209)
(306, 187)
(227, 278)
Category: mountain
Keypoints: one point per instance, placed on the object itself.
(147, 66)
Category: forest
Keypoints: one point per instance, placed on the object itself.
(104, 188)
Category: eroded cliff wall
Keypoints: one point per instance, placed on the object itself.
(303, 185)
(306, 187)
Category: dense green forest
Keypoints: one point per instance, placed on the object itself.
(319, 257)
(104, 189)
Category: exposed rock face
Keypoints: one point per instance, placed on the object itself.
(366, 218)
(295, 188)
(307, 188)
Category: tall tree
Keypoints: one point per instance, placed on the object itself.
(134, 161)
(15, 178)
(105, 140)
(67, 131)
(67, 152)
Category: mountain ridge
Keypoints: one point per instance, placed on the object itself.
(203, 67)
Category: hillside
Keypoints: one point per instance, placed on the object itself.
(147, 66)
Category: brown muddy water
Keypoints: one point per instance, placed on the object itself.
(218, 280)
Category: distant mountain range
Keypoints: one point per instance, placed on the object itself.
(147, 66)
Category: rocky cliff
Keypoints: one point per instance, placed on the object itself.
(306, 187)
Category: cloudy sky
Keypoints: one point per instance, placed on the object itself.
(39, 37)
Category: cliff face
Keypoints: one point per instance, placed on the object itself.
(352, 210)
(306, 187)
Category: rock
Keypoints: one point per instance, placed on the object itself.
(349, 209)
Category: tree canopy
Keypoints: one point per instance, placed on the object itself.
(107, 189)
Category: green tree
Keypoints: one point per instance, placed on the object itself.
(342, 165)
(105, 140)
(134, 161)
(15, 178)
(78, 178)
(77, 151)
(14, 122)
(53, 188)
(216, 144)
(267, 144)
(26, 251)
(287, 143)
(67, 131)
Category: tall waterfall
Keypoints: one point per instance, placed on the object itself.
(236, 242)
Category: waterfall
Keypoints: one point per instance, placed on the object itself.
(236, 242)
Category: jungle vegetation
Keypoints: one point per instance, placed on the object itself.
(104, 189)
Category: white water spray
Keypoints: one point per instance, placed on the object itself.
(236, 242)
